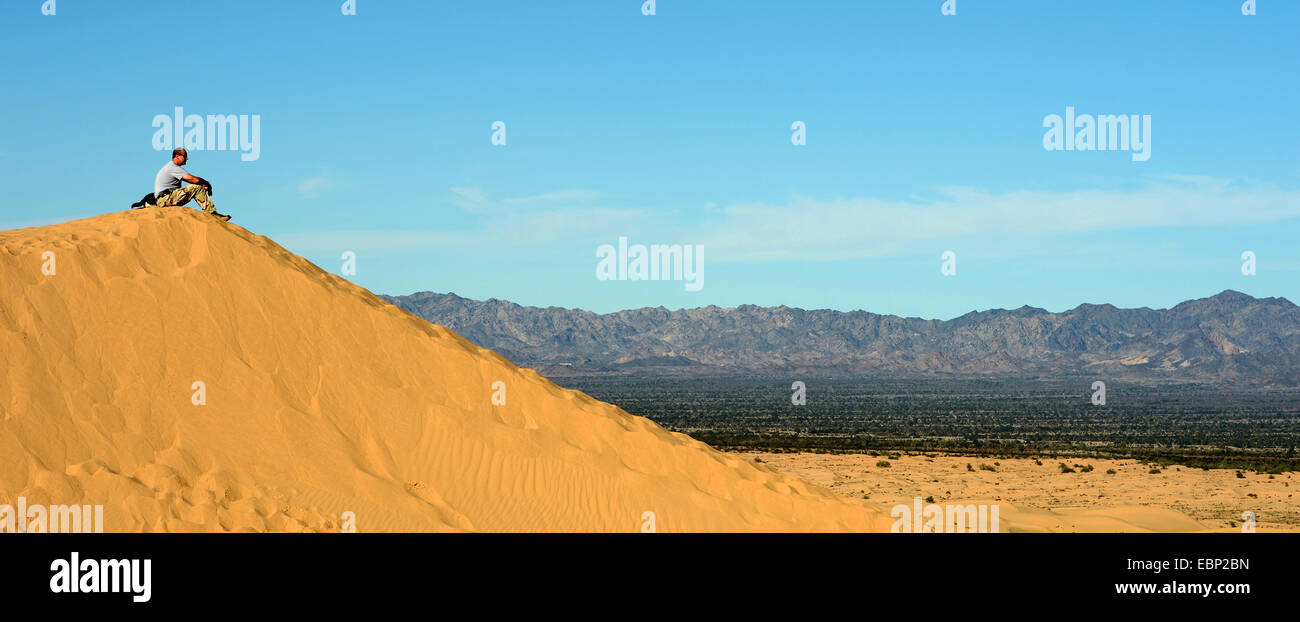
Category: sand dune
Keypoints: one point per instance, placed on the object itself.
(321, 399)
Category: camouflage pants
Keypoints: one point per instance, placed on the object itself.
(181, 196)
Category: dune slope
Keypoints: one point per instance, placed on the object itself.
(319, 399)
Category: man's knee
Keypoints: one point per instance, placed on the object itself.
(177, 197)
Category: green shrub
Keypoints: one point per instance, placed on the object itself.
(884, 464)
(1065, 468)
(1110, 471)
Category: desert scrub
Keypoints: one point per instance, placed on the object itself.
(1065, 468)
(988, 467)
(884, 464)
(1110, 471)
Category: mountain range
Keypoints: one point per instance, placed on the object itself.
(1228, 337)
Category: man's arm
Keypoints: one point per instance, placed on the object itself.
(196, 180)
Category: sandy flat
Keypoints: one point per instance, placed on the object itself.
(1215, 499)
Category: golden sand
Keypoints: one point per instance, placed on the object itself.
(1079, 501)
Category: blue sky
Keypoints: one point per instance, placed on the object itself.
(924, 135)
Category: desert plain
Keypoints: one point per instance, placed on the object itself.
(1214, 498)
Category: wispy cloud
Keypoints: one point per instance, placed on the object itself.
(544, 228)
(475, 200)
(572, 196)
(309, 188)
(809, 228)
(468, 196)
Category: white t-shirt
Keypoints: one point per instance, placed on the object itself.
(168, 179)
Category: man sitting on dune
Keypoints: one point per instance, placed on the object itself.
(167, 188)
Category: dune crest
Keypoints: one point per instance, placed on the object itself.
(320, 399)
